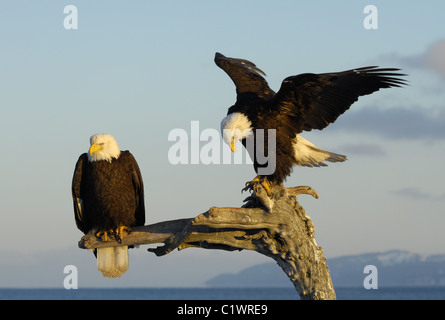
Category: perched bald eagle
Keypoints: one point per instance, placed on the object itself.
(108, 197)
(304, 102)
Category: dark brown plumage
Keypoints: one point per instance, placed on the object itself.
(111, 193)
(108, 198)
(304, 102)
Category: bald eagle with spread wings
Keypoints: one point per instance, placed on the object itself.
(108, 198)
(304, 102)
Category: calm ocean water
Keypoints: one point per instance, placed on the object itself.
(421, 293)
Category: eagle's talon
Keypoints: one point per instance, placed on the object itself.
(103, 235)
(248, 187)
(119, 233)
(258, 179)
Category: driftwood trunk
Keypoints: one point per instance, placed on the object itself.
(274, 225)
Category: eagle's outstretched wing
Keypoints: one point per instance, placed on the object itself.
(313, 101)
(246, 76)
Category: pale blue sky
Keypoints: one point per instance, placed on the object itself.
(138, 70)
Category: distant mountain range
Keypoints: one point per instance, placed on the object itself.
(396, 268)
(45, 269)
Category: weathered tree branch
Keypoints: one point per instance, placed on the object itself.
(274, 225)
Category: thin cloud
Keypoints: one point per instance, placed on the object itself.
(431, 59)
(394, 123)
(423, 119)
(363, 149)
(434, 57)
(416, 193)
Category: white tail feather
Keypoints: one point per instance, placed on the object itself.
(308, 155)
(113, 261)
(121, 259)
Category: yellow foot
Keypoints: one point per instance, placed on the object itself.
(102, 235)
(119, 233)
(258, 179)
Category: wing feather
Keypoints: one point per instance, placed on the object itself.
(316, 100)
(246, 76)
(76, 188)
(139, 190)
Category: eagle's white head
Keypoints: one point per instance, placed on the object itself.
(103, 147)
(234, 127)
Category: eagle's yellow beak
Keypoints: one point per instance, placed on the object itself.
(95, 147)
(233, 145)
